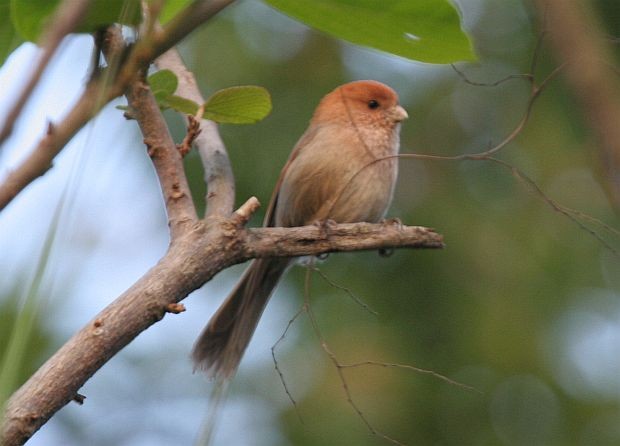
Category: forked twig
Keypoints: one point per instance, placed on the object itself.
(336, 363)
(340, 366)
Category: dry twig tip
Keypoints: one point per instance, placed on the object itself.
(246, 210)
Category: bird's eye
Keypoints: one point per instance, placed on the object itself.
(372, 104)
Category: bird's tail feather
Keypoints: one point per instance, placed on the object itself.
(222, 343)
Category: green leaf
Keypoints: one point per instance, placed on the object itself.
(238, 105)
(163, 84)
(180, 104)
(423, 30)
(31, 16)
(163, 81)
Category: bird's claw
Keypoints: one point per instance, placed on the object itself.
(394, 221)
(386, 252)
(325, 226)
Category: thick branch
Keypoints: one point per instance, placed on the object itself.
(165, 156)
(577, 40)
(218, 173)
(204, 249)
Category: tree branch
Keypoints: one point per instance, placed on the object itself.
(216, 164)
(314, 240)
(577, 40)
(165, 156)
(203, 249)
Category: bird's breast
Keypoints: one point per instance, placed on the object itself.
(346, 176)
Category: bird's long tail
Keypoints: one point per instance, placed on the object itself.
(222, 343)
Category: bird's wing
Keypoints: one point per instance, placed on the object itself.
(304, 141)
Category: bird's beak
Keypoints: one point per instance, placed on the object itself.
(397, 113)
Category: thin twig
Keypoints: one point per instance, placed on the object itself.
(277, 366)
(410, 367)
(350, 293)
(462, 75)
(193, 130)
(568, 213)
(538, 47)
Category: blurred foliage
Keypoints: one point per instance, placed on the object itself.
(31, 16)
(32, 345)
(522, 304)
(9, 40)
(610, 14)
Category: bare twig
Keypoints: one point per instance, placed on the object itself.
(466, 79)
(193, 130)
(190, 18)
(336, 363)
(348, 291)
(576, 217)
(571, 214)
(242, 215)
(340, 366)
(409, 367)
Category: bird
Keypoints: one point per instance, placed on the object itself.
(342, 169)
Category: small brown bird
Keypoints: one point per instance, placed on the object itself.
(343, 169)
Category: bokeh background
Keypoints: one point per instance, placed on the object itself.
(522, 305)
